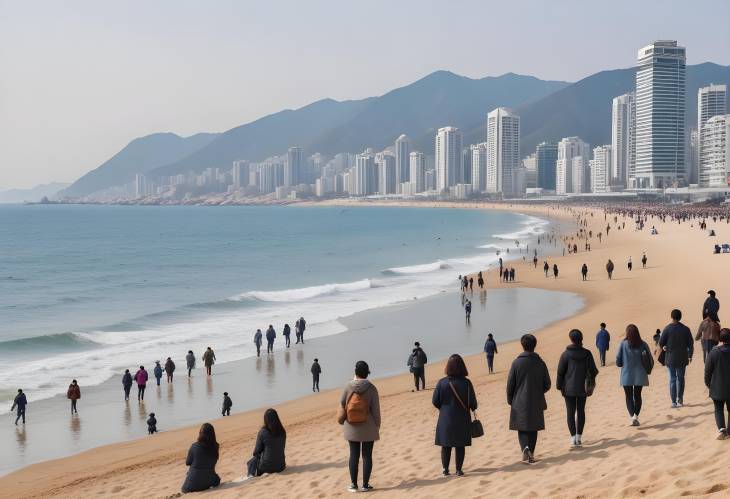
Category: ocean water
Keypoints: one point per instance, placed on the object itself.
(86, 291)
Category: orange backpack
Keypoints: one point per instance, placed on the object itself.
(356, 409)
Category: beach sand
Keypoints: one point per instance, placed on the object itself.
(673, 453)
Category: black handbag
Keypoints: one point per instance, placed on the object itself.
(477, 430)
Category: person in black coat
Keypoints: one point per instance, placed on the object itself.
(711, 306)
(127, 383)
(454, 397)
(527, 383)
(678, 343)
(717, 379)
(576, 365)
(202, 458)
(268, 454)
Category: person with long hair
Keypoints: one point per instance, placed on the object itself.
(527, 383)
(632, 357)
(455, 398)
(268, 454)
(575, 369)
(202, 458)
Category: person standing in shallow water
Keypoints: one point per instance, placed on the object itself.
(227, 404)
(455, 398)
(717, 379)
(20, 401)
(208, 360)
(287, 333)
(169, 369)
(577, 372)
(257, 340)
(270, 337)
(316, 370)
(527, 383)
(190, 361)
(157, 371)
(632, 356)
(127, 383)
(467, 311)
(490, 348)
(141, 378)
(73, 394)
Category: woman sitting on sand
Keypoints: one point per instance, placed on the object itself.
(202, 458)
(268, 454)
(454, 397)
(632, 355)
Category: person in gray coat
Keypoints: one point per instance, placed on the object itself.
(454, 397)
(360, 395)
(630, 357)
(190, 361)
(202, 458)
(417, 362)
(527, 383)
(717, 379)
(677, 341)
(575, 367)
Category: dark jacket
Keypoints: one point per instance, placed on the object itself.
(418, 358)
(680, 344)
(127, 380)
(454, 424)
(227, 402)
(152, 423)
(269, 451)
(711, 307)
(717, 372)
(316, 368)
(257, 338)
(490, 347)
(20, 401)
(287, 330)
(158, 371)
(190, 360)
(169, 367)
(603, 340)
(201, 474)
(575, 365)
(74, 392)
(270, 334)
(527, 383)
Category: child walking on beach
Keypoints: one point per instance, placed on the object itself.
(151, 424)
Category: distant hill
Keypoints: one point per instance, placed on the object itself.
(139, 156)
(31, 195)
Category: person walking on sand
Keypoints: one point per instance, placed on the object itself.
(490, 348)
(269, 454)
(257, 340)
(190, 361)
(316, 370)
(227, 404)
(157, 371)
(717, 379)
(630, 264)
(677, 342)
(576, 380)
(609, 268)
(417, 362)
(202, 458)
(603, 341)
(359, 413)
(455, 399)
(643, 261)
(711, 306)
(584, 272)
(527, 383)
(546, 268)
(127, 383)
(169, 369)
(151, 424)
(20, 402)
(555, 270)
(270, 337)
(467, 311)
(73, 394)
(709, 335)
(141, 378)
(287, 333)
(208, 360)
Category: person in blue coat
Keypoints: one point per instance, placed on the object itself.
(631, 355)
(603, 340)
(454, 397)
(490, 348)
(158, 372)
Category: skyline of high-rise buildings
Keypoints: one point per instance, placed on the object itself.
(503, 150)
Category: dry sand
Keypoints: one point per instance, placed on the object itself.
(674, 452)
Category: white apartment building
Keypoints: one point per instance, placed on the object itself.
(448, 156)
(503, 150)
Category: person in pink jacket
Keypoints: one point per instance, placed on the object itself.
(141, 378)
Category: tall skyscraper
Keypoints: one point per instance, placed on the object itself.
(364, 175)
(529, 165)
(568, 149)
(623, 120)
(448, 156)
(386, 173)
(581, 174)
(711, 101)
(402, 159)
(693, 157)
(479, 167)
(503, 146)
(715, 152)
(465, 176)
(546, 156)
(417, 172)
(240, 172)
(600, 167)
(293, 167)
(660, 108)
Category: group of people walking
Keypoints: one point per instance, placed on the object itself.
(299, 327)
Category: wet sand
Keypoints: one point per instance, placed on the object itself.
(383, 337)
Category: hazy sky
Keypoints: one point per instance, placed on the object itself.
(80, 79)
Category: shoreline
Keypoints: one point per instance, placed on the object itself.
(314, 438)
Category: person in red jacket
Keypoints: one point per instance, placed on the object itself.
(73, 394)
(141, 377)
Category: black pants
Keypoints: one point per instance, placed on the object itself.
(419, 373)
(73, 406)
(633, 399)
(315, 382)
(576, 409)
(127, 389)
(208, 369)
(367, 461)
(527, 439)
(140, 392)
(446, 457)
(720, 406)
(258, 349)
(287, 341)
(226, 411)
(707, 346)
(190, 370)
(21, 414)
(490, 363)
(602, 355)
(270, 346)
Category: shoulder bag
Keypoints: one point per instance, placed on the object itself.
(477, 430)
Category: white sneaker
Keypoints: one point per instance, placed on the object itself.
(579, 440)
(573, 441)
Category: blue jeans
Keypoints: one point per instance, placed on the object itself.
(676, 383)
